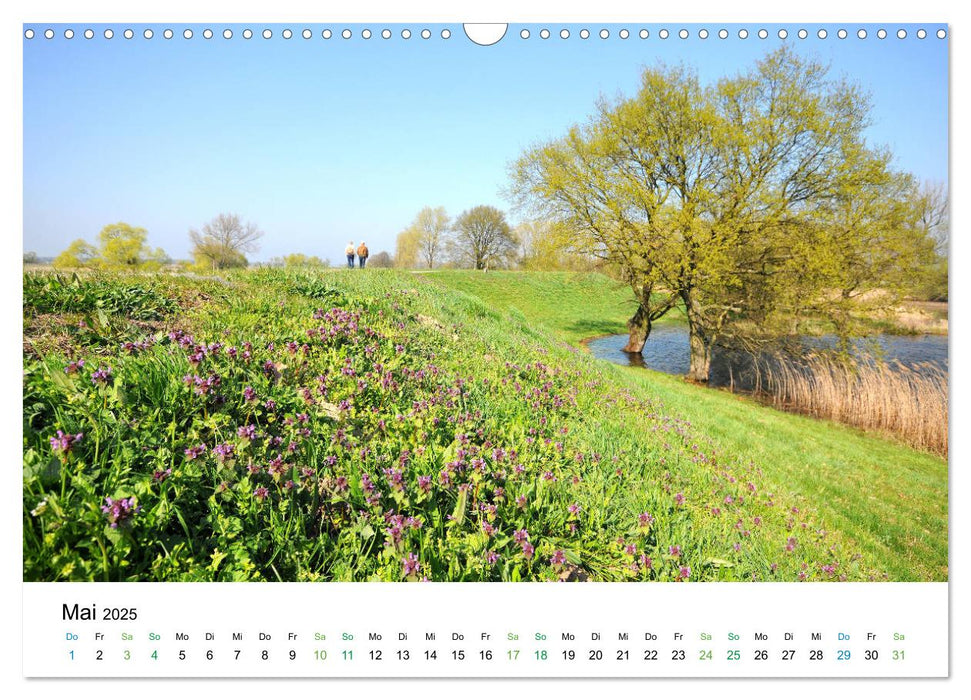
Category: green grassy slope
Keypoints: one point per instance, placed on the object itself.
(380, 425)
(888, 500)
(573, 306)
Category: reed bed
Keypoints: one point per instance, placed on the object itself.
(908, 402)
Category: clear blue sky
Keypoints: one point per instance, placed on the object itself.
(320, 141)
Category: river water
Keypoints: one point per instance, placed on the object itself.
(666, 351)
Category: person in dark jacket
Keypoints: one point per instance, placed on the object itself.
(362, 253)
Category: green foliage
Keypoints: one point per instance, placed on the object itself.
(79, 254)
(206, 260)
(423, 243)
(120, 246)
(318, 289)
(406, 249)
(748, 202)
(301, 260)
(323, 402)
(547, 246)
(62, 294)
(933, 286)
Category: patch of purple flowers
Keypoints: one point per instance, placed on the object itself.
(64, 442)
(120, 511)
(102, 375)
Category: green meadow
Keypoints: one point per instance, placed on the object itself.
(887, 497)
(384, 425)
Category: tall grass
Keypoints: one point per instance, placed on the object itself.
(909, 402)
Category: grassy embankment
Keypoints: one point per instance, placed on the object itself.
(888, 499)
(378, 425)
(572, 306)
(575, 307)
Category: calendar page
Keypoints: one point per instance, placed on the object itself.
(552, 349)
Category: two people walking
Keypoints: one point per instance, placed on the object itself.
(362, 253)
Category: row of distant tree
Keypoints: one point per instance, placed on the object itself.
(481, 238)
(220, 244)
(118, 245)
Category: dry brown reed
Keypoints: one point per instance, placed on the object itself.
(909, 402)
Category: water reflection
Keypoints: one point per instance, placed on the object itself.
(667, 351)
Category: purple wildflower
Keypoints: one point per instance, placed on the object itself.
(396, 478)
(193, 452)
(101, 375)
(64, 442)
(410, 565)
(120, 512)
(225, 451)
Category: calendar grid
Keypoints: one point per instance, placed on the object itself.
(546, 630)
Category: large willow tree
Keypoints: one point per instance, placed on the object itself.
(749, 203)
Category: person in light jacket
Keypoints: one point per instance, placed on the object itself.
(349, 252)
(362, 253)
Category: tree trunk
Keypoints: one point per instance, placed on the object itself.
(700, 341)
(639, 327)
(700, 366)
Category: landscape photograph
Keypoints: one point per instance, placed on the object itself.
(378, 303)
